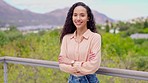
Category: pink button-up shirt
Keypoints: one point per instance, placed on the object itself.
(87, 53)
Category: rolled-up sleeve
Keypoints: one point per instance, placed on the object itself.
(65, 67)
(91, 65)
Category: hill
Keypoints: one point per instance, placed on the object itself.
(10, 15)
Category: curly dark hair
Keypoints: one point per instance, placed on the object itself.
(69, 26)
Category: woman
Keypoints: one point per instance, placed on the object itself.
(81, 46)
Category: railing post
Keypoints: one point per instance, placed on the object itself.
(5, 72)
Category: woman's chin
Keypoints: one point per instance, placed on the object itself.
(78, 26)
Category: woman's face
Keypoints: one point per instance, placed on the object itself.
(80, 17)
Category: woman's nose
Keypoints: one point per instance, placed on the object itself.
(78, 18)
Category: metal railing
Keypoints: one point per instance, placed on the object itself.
(124, 73)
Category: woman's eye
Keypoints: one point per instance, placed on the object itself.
(75, 15)
(82, 15)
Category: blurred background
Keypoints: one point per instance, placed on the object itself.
(31, 29)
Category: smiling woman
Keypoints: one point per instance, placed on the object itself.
(81, 46)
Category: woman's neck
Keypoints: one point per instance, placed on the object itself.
(80, 32)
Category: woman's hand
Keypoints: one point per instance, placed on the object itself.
(64, 60)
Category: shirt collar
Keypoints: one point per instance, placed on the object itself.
(85, 35)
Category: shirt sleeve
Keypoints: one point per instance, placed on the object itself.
(93, 64)
(65, 67)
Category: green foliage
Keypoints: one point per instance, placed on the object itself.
(136, 26)
(146, 24)
(141, 63)
(13, 35)
(122, 26)
(118, 51)
(13, 28)
(10, 35)
(107, 28)
(1, 73)
(145, 30)
(140, 41)
(3, 38)
(28, 74)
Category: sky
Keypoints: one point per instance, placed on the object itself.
(115, 9)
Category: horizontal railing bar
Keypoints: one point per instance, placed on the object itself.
(35, 61)
(141, 75)
(32, 64)
(123, 73)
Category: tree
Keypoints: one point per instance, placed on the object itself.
(146, 23)
(107, 26)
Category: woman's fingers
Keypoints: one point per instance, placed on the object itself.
(60, 59)
(92, 56)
